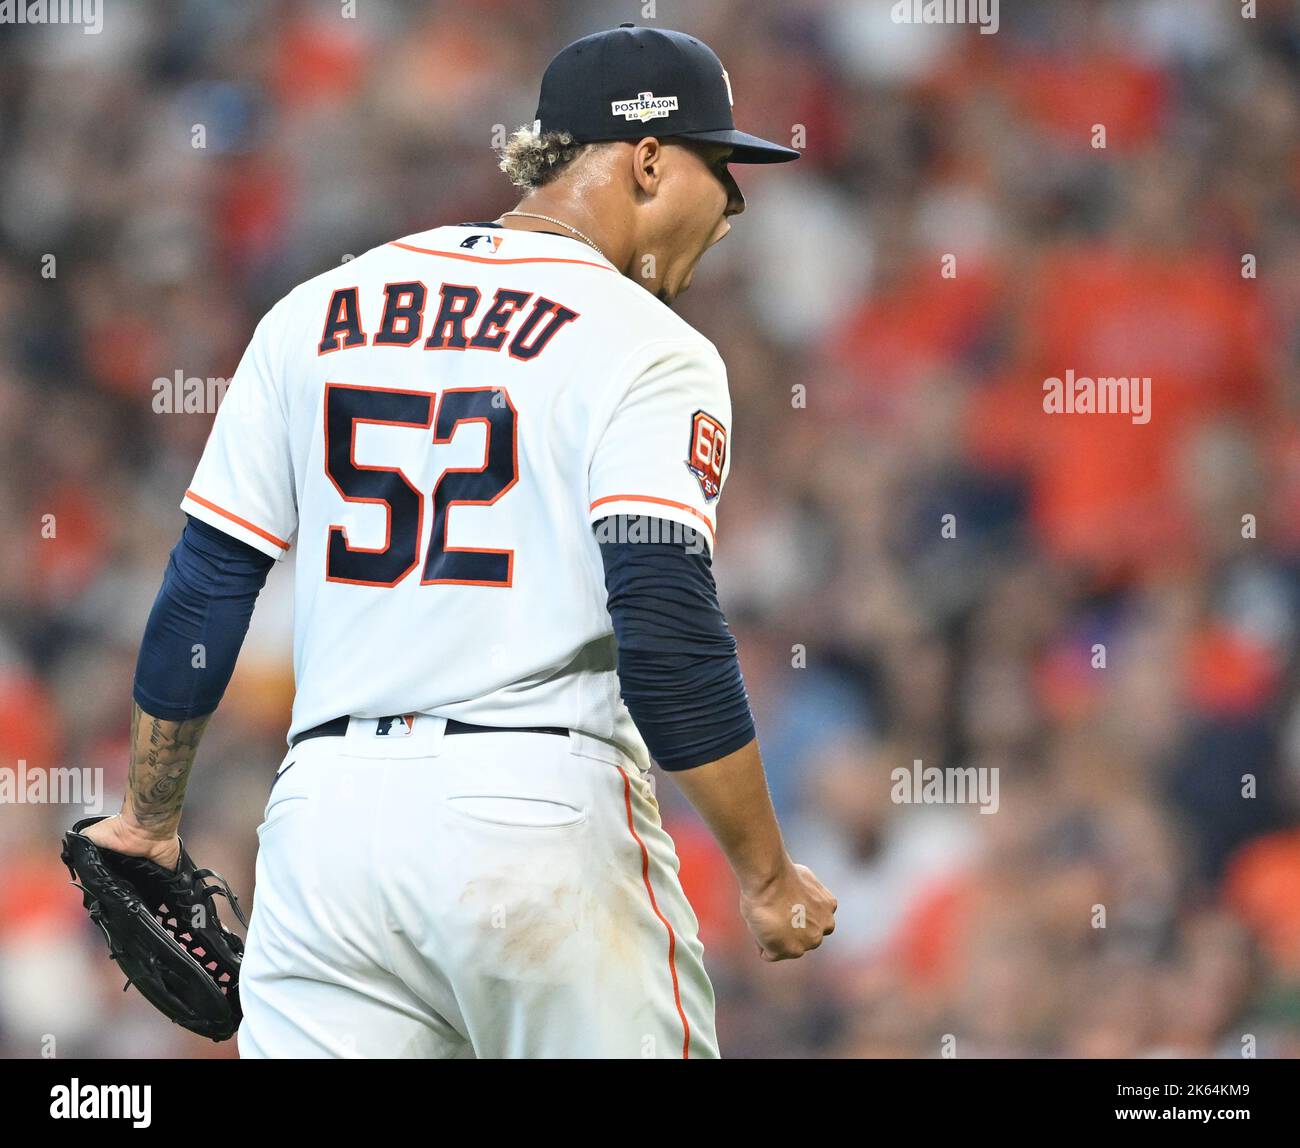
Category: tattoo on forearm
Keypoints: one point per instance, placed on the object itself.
(161, 755)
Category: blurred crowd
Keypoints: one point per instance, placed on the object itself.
(919, 562)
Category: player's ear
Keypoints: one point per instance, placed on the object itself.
(647, 164)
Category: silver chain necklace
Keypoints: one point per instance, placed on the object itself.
(559, 223)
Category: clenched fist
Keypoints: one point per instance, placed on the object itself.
(790, 914)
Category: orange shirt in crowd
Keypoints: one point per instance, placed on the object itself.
(1105, 489)
(1263, 887)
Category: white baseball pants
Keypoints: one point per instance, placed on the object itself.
(479, 895)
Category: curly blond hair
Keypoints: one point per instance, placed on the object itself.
(534, 160)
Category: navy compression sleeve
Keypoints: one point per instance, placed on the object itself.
(677, 666)
(200, 616)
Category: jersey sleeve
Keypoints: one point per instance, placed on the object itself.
(244, 481)
(665, 452)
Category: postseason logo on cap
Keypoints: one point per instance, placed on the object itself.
(646, 106)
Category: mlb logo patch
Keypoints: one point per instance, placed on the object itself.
(708, 453)
(400, 725)
(488, 243)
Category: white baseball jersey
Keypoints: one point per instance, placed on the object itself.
(433, 427)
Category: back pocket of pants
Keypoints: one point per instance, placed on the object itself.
(280, 807)
(518, 812)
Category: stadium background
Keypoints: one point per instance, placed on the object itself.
(872, 396)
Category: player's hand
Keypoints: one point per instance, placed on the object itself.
(789, 915)
(119, 835)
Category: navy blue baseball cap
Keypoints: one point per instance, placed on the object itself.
(633, 82)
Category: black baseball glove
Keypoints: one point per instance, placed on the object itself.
(163, 931)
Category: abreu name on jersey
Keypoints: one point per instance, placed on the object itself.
(401, 320)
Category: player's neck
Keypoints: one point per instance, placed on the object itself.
(582, 216)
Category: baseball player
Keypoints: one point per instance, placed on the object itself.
(498, 454)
